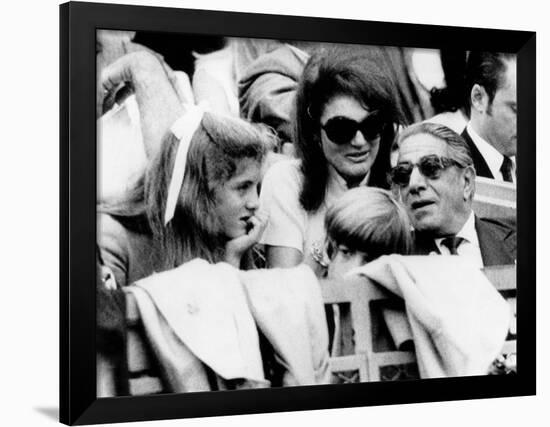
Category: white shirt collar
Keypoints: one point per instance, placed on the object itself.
(467, 232)
(469, 249)
(491, 155)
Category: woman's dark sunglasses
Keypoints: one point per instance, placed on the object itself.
(341, 130)
(430, 166)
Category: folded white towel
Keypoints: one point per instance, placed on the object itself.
(458, 320)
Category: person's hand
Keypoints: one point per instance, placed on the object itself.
(119, 75)
(153, 82)
(130, 70)
(234, 249)
(108, 278)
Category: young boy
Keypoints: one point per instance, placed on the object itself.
(364, 224)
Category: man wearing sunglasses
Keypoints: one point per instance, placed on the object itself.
(491, 133)
(435, 178)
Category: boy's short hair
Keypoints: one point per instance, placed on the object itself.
(369, 220)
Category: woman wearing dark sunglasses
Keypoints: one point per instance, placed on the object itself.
(346, 112)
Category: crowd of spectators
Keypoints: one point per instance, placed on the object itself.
(276, 155)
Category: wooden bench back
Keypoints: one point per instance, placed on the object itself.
(364, 295)
(494, 199)
(364, 364)
(144, 374)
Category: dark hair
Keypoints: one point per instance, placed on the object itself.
(456, 145)
(369, 220)
(216, 148)
(485, 69)
(451, 97)
(355, 72)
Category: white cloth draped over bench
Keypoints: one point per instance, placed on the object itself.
(203, 313)
(458, 320)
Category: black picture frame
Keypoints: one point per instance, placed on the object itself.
(78, 402)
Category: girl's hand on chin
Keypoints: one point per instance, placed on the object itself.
(234, 249)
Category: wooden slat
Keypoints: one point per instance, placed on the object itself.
(495, 189)
(136, 352)
(361, 315)
(494, 199)
(489, 207)
(345, 363)
(359, 294)
(132, 311)
(138, 355)
(337, 293)
(106, 376)
(145, 385)
(394, 358)
(353, 293)
(355, 362)
(503, 277)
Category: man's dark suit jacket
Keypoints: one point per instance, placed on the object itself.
(497, 241)
(480, 165)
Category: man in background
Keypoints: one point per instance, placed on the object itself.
(491, 133)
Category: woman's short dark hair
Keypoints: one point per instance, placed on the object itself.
(358, 72)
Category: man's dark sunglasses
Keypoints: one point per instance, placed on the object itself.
(341, 130)
(430, 166)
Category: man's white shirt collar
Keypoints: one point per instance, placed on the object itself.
(491, 155)
(470, 246)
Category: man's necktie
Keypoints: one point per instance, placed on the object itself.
(452, 243)
(506, 169)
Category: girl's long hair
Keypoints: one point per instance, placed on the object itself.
(216, 148)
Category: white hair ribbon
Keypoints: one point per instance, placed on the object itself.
(183, 129)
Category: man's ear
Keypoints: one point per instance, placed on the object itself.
(469, 183)
(479, 99)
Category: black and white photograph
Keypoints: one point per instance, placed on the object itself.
(242, 213)
(267, 213)
(280, 213)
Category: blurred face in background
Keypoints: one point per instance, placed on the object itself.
(498, 118)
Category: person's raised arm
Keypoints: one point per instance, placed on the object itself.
(145, 75)
(286, 229)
